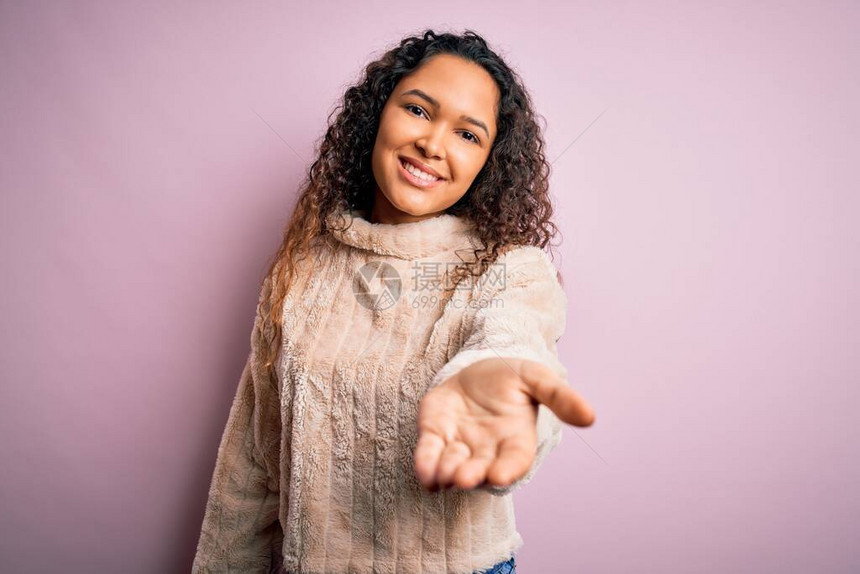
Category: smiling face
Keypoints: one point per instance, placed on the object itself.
(440, 119)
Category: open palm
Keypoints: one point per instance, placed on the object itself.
(479, 426)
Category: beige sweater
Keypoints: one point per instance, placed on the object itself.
(318, 474)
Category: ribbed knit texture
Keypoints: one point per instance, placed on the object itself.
(319, 472)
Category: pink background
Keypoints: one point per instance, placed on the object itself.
(149, 158)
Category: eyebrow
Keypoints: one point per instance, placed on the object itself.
(435, 104)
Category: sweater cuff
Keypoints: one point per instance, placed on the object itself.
(468, 357)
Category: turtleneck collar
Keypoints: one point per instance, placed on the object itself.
(412, 240)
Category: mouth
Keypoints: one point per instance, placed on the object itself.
(416, 176)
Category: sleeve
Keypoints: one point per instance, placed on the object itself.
(522, 318)
(240, 526)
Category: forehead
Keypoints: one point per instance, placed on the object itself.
(460, 87)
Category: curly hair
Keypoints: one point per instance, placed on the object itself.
(508, 201)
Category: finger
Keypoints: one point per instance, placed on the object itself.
(474, 471)
(455, 454)
(513, 460)
(548, 388)
(427, 452)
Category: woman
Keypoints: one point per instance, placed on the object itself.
(403, 377)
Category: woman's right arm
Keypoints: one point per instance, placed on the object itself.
(241, 524)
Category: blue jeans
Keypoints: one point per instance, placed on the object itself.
(507, 567)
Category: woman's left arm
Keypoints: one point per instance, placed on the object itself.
(496, 409)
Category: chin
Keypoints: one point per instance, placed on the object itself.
(407, 204)
(413, 211)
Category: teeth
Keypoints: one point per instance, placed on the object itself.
(422, 175)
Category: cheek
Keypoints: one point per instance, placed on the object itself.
(390, 128)
(465, 164)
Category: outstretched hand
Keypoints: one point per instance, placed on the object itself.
(479, 426)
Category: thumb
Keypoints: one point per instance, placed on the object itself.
(548, 388)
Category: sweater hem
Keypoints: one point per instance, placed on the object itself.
(422, 565)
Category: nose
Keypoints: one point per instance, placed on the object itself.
(431, 144)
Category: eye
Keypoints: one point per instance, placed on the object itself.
(474, 137)
(413, 106)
